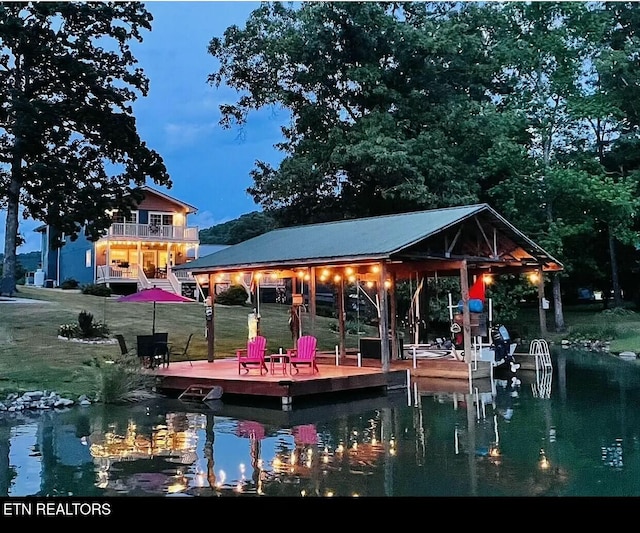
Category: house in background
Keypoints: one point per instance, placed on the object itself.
(134, 253)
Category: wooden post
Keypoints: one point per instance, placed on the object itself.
(541, 310)
(423, 302)
(466, 319)
(393, 319)
(341, 318)
(312, 299)
(295, 312)
(384, 321)
(209, 317)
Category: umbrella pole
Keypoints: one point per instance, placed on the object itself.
(153, 327)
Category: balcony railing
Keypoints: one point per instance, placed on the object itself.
(152, 232)
(107, 273)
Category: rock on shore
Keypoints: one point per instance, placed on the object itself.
(39, 400)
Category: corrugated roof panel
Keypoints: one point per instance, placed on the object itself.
(364, 237)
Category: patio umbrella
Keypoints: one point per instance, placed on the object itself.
(154, 295)
(250, 429)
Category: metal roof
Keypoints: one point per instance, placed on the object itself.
(360, 239)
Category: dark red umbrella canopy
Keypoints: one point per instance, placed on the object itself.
(154, 294)
(251, 430)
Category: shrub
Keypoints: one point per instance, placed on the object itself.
(69, 283)
(69, 331)
(617, 312)
(234, 295)
(122, 380)
(96, 290)
(85, 321)
(86, 328)
(599, 332)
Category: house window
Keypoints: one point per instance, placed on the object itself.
(160, 219)
(87, 259)
(120, 218)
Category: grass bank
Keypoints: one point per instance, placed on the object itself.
(32, 356)
(590, 321)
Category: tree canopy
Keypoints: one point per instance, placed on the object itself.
(389, 103)
(400, 106)
(69, 147)
(234, 231)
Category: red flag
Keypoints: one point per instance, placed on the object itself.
(476, 292)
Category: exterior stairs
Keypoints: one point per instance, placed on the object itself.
(161, 283)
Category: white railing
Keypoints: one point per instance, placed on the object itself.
(150, 231)
(102, 273)
(183, 275)
(106, 273)
(175, 283)
(143, 280)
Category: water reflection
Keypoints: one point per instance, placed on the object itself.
(570, 431)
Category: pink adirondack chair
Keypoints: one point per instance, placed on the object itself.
(304, 354)
(253, 356)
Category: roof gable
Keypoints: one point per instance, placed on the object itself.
(148, 190)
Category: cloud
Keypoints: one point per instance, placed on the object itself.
(206, 219)
(180, 135)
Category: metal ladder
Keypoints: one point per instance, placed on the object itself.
(201, 392)
(540, 350)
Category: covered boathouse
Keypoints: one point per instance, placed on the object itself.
(466, 241)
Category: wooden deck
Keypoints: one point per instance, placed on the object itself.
(219, 379)
(221, 376)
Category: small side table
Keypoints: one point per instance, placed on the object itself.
(278, 359)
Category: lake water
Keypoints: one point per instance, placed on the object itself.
(574, 431)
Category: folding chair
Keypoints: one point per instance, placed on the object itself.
(124, 351)
(185, 352)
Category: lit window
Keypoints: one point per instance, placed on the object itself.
(120, 218)
(160, 219)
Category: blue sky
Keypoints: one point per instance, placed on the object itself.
(209, 166)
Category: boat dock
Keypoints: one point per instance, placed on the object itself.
(203, 380)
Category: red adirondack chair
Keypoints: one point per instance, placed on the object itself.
(253, 356)
(304, 354)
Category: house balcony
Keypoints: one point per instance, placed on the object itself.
(128, 231)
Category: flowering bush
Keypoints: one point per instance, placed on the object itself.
(69, 330)
(86, 328)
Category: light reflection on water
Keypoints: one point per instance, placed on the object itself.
(572, 432)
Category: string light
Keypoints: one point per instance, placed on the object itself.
(544, 462)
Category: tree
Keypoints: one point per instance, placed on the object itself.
(554, 53)
(69, 147)
(234, 231)
(569, 73)
(388, 101)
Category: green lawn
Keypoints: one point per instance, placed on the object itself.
(588, 321)
(32, 356)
